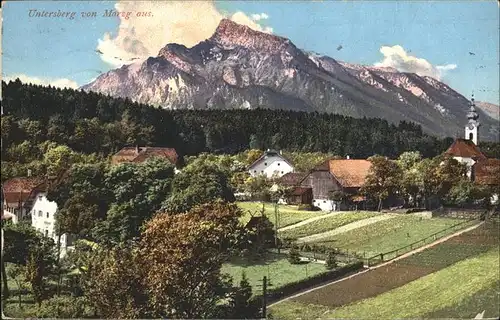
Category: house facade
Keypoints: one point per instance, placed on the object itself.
(43, 220)
(346, 175)
(271, 163)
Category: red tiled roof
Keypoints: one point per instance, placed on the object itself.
(292, 178)
(141, 154)
(350, 173)
(19, 189)
(487, 172)
(464, 148)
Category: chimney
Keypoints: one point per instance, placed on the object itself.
(29, 172)
(347, 157)
(137, 149)
(281, 153)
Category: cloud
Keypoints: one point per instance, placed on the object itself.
(397, 57)
(260, 16)
(183, 22)
(59, 82)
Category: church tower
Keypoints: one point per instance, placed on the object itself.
(472, 127)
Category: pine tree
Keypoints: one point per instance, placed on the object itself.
(331, 261)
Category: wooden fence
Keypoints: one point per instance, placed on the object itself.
(381, 257)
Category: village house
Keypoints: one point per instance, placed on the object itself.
(345, 175)
(18, 196)
(43, 219)
(141, 154)
(25, 198)
(271, 163)
(295, 194)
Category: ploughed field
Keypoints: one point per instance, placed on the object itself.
(456, 278)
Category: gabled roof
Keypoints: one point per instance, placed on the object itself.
(350, 173)
(465, 149)
(292, 178)
(19, 189)
(270, 153)
(141, 154)
(487, 171)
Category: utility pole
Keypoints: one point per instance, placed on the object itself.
(276, 222)
(264, 296)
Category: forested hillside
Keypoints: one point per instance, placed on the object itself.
(94, 123)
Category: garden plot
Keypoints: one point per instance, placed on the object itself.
(330, 222)
(387, 235)
(275, 267)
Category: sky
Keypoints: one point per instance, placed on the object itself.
(456, 42)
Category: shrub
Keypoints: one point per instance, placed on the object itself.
(293, 255)
(65, 307)
(331, 261)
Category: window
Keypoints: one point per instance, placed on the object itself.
(324, 201)
(40, 213)
(255, 171)
(48, 215)
(46, 232)
(39, 197)
(265, 163)
(279, 163)
(471, 136)
(281, 172)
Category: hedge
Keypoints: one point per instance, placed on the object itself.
(291, 288)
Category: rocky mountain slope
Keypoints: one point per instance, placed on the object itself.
(241, 68)
(493, 110)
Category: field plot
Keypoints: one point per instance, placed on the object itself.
(328, 223)
(275, 267)
(471, 257)
(388, 235)
(433, 292)
(288, 215)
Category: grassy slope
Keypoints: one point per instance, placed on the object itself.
(387, 235)
(288, 214)
(326, 224)
(276, 268)
(434, 292)
(487, 300)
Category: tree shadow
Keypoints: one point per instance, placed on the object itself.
(256, 259)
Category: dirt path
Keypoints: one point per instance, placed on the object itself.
(301, 223)
(382, 264)
(347, 227)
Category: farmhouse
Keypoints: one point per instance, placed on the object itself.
(271, 163)
(18, 196)
(43, 218)
(141, 154)
(346, 175)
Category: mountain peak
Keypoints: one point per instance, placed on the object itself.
(230, 34)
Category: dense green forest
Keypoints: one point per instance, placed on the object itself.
(95, 123)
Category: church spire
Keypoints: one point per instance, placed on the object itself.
(471, 129)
